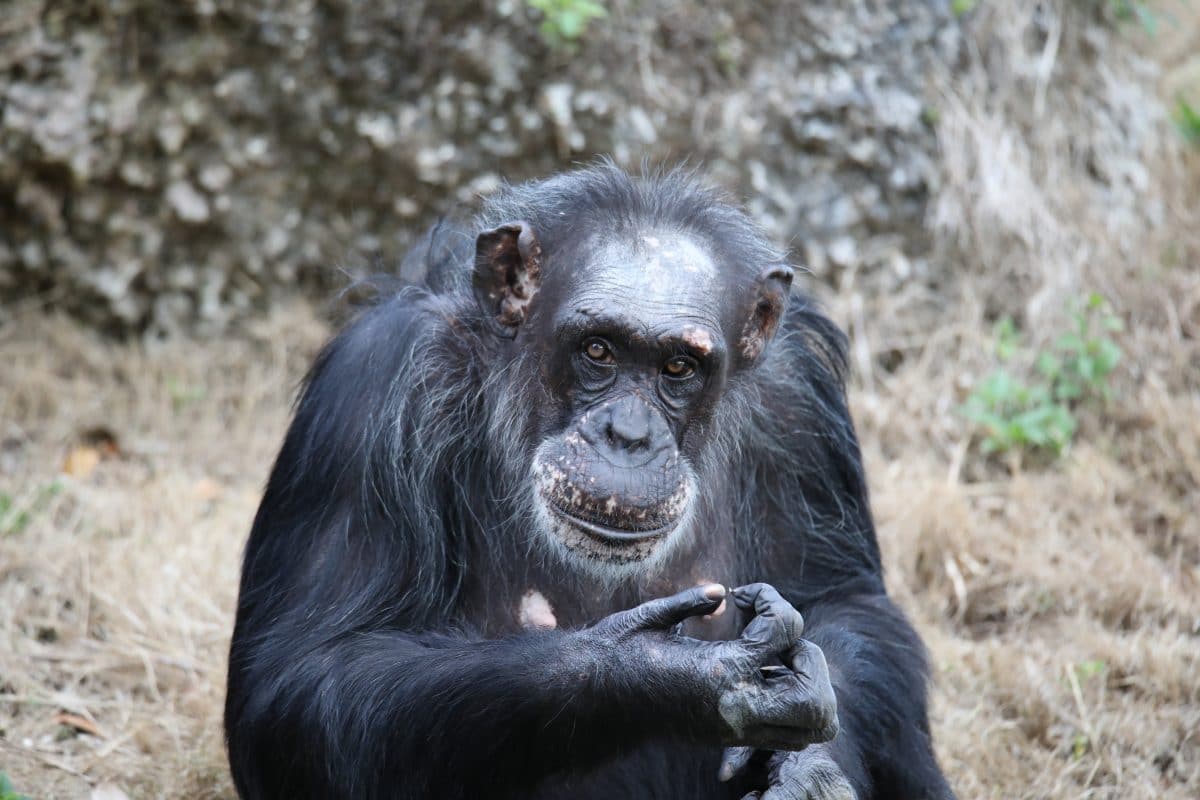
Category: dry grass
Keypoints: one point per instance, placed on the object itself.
(1061, 601)
(116, 596)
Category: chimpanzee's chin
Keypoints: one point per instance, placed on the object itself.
(612, 531)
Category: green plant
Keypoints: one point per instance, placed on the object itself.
(183, 394)
(1129, 10)
(1085, 670)
(1014, 415)
(7, 792)
(960, 7)
(1083, 358)
(1187, 119)
(564, 21)
(1028, 402)
(13, 520)
(15, 517)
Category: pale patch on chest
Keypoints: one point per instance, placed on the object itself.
(535, 612)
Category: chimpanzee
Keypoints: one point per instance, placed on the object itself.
(493, 555)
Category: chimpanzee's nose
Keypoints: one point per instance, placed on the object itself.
(628, 426)
(628, 432)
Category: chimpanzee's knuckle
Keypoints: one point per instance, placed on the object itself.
(811, 775)
(824, 780)
(823, 717)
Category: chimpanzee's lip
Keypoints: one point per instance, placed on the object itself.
(611, 535)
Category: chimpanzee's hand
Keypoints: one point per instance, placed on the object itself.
(778, 696)
(767, 689)
(810, 774)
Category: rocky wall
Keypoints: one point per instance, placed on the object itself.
(180, 165)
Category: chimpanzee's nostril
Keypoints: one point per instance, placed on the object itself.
(627, 434)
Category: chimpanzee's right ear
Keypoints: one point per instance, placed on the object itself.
(508, 272)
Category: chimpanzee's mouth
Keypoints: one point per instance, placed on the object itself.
(609, 534)
(617, 521)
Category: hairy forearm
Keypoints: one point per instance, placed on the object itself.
(532, 704)
(878, 670)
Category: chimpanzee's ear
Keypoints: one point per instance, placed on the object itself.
(771, 296)
(508, 272)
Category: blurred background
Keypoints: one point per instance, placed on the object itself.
(999, 200)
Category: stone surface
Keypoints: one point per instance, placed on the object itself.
(165, 170)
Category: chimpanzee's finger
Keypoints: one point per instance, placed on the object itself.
(733, 761)
(666, 612)
(808, 775)
(777, 625)
(811, 670)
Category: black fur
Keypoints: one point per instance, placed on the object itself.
(375, 654)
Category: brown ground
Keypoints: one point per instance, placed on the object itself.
(1061, 600)
(1060, 603)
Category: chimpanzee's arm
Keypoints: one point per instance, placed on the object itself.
(822, 554)
(878, 668)
(346, 676)
(383, 713)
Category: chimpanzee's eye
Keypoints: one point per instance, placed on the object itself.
(598, 350)
(680, 367)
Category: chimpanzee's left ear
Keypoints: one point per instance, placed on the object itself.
(774, 285)
(508, 271)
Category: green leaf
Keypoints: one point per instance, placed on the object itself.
(1108, 355)
(1187, 120)
(571, 24)
(1147, 18)
(1008, 338)
(1079, 746)
(1086, 366)
(1070, 342)
(1049, 365)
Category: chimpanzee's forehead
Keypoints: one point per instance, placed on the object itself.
(651, 275)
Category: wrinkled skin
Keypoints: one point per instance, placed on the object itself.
(766, 689)
(810, 774)
(638, 346)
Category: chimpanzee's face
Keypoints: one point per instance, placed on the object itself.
(635, 340)
(636, 356)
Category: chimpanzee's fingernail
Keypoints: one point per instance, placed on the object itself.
(716, 612)
(714, 591)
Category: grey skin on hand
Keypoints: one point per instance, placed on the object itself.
(782, 698)
(807, 775)
(768, 689)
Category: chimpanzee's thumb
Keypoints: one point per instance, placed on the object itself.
(666, 612)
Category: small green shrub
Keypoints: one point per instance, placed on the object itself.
(565, 21)
(1140, 10)
(183, 394)
(15, 516)
(1028, 402)
(1086, 670)
(1187, 119)
(7, 792)
(13, 520)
